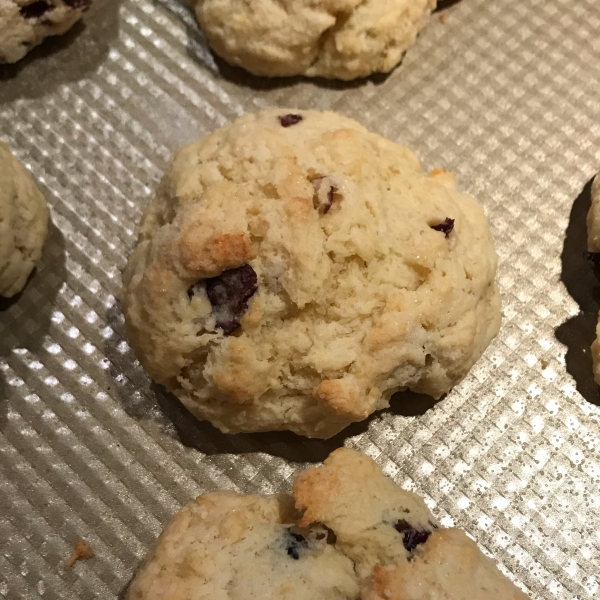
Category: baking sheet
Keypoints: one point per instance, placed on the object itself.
(506, 94)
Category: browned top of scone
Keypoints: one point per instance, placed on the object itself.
(353, 535)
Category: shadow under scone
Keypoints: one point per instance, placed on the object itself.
(202, 436)
(26, 318)
(579, 332)
(444, 4)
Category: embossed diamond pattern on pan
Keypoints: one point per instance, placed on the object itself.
(506, 94)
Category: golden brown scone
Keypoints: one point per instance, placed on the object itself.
(295, 270)
(23, 224)
(225, 546)
(24, 24)
(354, 536)
(350, 495)
(341, 39)
(449, 566)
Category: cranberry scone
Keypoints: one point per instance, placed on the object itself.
(341, 39)
(295, 270)
(348, 533)
(24, 24)
(23, 224)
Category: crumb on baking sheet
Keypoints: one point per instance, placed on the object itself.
(443, 19)
(81, 552)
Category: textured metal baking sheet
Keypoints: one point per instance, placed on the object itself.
(506, 94)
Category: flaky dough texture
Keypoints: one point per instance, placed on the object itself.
(352, 535)
(342, 39)
(24, 24)
(357, 275)
(23, 224)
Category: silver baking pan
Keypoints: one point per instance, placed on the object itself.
(506, 94)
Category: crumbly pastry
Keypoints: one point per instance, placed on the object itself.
(228, 546)
(352, 535)
(593, 227)
(24, 24)
(342, 39)
(23, 224)
(295, 270)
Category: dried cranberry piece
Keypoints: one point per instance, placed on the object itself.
(323, 207)
(295, 544)
(35, 10)
(289, 120)
(229, 294)
(75, 4)
(411, 537)
(330, 195)
(445, 227)
(594, 258)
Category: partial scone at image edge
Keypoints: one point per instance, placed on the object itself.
(336, 39)
(347, 533)
(295, 270)
(23, 224)
(593, 240)
(25, 24)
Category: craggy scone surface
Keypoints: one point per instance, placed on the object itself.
(23, 224)
(342, 39)
(353, 534)
(295, 270)
(24, 24)
(504, 94)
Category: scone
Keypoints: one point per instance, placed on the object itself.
(354, 535)
(295, 270)
(23, 224)
(24, 24)
(593, 255)
(341, 39)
